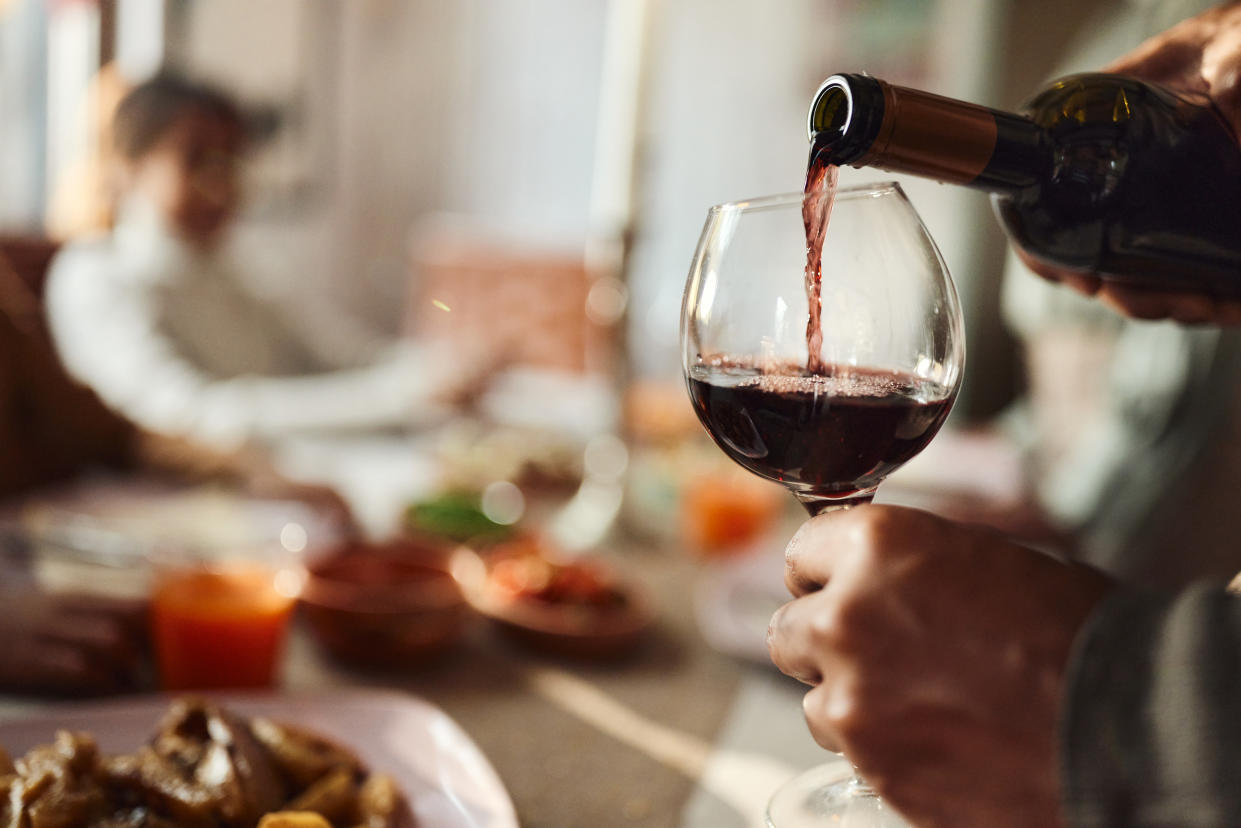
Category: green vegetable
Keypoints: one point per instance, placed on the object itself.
(457, 516)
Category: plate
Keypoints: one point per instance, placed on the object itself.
(96, 535)
(564, 629)
(446, 779)
(734, 600)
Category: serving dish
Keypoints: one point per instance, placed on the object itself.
(446, 779)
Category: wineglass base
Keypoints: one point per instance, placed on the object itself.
(829, 795)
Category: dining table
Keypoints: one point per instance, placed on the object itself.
(674, 732)
(671, 734)
(691, 728)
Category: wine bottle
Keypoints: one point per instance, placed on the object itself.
(1100, 173)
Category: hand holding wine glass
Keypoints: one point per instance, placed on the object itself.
(906, 625)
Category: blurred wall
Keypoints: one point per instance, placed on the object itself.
(483, 108)
(727, 117)
(410, 107)
(23, 111)
(488, 108)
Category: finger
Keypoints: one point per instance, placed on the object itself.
(128, 612)
(817, 706)
(813, 552)
(1083, 283)
(46, 667)
(800, 638)
(98, 640)
(803, 544)
(86, 603)
(1140, 303)
(1167, 60)
(1037, 266)
(1186, 307)
(1228, 312)
(1192, 309)
(1086, 284)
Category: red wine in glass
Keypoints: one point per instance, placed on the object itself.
(827, 436)
(829, 433)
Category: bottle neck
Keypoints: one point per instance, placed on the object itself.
(865, 122)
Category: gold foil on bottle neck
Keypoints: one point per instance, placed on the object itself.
(932, 136)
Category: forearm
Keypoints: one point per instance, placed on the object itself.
(1151, 733)
(185, 460)
(248, 469)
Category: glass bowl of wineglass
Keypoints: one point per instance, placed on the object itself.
(822, 355)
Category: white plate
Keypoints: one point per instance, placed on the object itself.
(734, 600)
(447, 780)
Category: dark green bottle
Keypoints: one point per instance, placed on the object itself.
(1099, 173)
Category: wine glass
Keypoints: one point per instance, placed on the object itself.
(885, 374)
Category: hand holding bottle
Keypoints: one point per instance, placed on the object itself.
(1123, 184)
(1200, 55)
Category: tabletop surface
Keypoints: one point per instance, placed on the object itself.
(672, 734)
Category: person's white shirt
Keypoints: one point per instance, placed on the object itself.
(182, 343)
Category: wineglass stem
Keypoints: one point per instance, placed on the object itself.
(857, 787)
(817, 505)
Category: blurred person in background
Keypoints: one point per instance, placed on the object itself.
(978, 683)
(51, 430)
(163, 318)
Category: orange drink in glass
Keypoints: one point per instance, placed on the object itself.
(222, 624)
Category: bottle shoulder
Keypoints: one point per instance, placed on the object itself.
(1098, 101)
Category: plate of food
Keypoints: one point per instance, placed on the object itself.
(571, 605)
(376, 759)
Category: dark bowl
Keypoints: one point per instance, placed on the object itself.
(386, 605)
(565, 629)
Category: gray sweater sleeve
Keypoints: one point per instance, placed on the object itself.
(1151, 734)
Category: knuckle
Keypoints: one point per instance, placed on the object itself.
(775, 630)
(815, 708)
(874, 536)
(853, 620)
(851, 718)
(840, 623)
(839, 708)
(827, 625)
(797, 546)
(879, 521)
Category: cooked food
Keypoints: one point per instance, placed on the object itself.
(520, 569)
(294, 819)
(537, 460)
(204, 768)
(455, 515)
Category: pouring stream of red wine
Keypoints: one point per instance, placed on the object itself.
(816, 211)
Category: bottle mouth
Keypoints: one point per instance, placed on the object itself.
(831, 109)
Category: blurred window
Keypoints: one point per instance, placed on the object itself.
(51, 52)
(23, 112)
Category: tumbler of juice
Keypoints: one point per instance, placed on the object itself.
(723, 512)
(222, 623)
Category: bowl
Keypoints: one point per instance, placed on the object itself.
(387, 606)
(578, 607)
